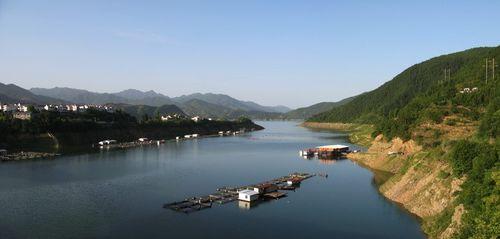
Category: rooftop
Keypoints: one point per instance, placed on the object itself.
(248, 192)
(333, 146)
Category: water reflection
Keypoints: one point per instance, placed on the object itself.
(325, 160)
(247, 205)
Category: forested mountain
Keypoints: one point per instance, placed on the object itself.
(11, 93)
(139, 111)
(79, 96)
(307, 112)
(449, 106)
(134, 94)
(209, 110)
(206, 105)
(230, 102)
(413, 92)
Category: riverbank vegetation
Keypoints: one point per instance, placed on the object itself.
(70, 129)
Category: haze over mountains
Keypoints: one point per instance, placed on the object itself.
(138, 102)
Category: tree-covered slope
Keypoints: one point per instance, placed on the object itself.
(309, 111)
(10, 93)
(138, 111)
(454, 122)
(209, 110)
(466, 70)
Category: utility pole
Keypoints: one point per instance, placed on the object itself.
(493, 69)
(486, 70)
(444, 71)
(447, 74)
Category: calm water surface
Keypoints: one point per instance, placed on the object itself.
(119, 194)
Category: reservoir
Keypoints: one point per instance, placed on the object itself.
(119, 194)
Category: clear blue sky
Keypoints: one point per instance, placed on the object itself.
(287, 52)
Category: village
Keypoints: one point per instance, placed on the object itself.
(24, 111)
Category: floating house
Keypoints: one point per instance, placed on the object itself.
(326, 151)
(293, 181)
(333, 148)
(265, 188)
(248, 195)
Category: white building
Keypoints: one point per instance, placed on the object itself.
(248, 195)
(196, 118)
(7, 108)
(22, 108)
(72, 108)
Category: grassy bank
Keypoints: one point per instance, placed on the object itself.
(358, 133)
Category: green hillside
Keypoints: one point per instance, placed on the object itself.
(309, 111)
(456, 118)
(209, 110)
(425, 80)
(138, 111)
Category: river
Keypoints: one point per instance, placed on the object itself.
(119, 194)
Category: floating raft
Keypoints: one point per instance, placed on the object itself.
(275, 195)
(230, 194)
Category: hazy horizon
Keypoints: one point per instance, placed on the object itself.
(273, 53)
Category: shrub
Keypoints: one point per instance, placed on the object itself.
(462, 155)
(450, 122)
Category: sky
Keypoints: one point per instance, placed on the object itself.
(280, 52)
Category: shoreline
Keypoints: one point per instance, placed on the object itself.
(332, 126)
(85, 142)
(362, 160)
(359, 134)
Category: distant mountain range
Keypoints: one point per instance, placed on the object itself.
(151, 98)
(138, 103)
(133, 97)
(231, 103)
